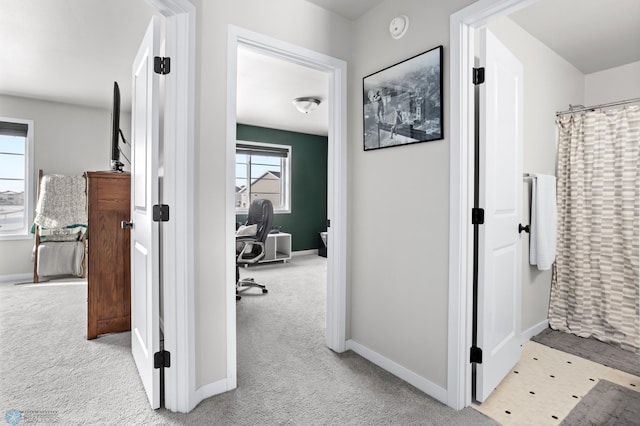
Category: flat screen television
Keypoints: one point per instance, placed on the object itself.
(116, 133)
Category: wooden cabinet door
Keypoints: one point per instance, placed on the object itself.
(109, 282)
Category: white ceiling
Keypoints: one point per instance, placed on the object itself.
(593, 35)
(267, 87)
(72, 51)
(350, 9)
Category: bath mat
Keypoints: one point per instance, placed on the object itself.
(591, 349)
(606, 404)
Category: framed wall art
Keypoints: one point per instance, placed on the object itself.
(403, 103)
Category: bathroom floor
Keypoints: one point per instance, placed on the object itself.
(545, 385)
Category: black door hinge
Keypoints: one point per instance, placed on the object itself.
(477, 216)
(478, 75)
(328, 223)
(476, 355)
(161, 65)
(161, 213)
(162, 359)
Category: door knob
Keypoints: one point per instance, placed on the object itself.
(126, 225)
(523, 228)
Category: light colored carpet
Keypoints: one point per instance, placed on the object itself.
(286, 375)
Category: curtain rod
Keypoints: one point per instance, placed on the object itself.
(583, 108)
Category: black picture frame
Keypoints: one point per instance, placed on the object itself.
(402, 104)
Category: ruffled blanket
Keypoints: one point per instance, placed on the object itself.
(62, 201)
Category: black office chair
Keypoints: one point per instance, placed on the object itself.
(250, 249)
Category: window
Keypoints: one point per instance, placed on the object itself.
(262, 171)
(16, 169)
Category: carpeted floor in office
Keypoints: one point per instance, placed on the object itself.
(286, 375)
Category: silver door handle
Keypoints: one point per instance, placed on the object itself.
(126, 225)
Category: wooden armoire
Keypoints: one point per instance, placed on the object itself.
(109, 278)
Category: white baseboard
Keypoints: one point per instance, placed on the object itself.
(304, 252)
(526, 335)
(16, 277)
(207, 391)
(396, 369)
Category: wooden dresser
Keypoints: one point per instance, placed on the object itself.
(109, 278)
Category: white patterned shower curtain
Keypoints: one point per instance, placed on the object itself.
(594, 290)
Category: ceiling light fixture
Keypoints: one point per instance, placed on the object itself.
(306, 105)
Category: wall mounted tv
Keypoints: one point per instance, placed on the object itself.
(116, 132)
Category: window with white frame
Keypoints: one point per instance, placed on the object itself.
(16, 169)
(263, 171)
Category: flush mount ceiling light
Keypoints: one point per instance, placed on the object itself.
(398, 26)
(306, 105)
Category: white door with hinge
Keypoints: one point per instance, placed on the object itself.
(500, 195)
(145, 289)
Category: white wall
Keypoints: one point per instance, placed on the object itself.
(550, 84)
(68, 139)
(293, 21)
(399, 206)
(612, 85)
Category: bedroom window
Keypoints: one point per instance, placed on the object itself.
(16, 170)
(263, 171)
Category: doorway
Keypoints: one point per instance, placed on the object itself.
(463, 26)
(336, 188)
(462, 39)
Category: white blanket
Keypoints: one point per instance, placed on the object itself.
(62, 201)
(544, 221)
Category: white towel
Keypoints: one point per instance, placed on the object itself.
(544, 220)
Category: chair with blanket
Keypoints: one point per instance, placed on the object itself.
(60, 226)
(250, 242)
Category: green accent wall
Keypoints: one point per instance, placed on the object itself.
(308, 215)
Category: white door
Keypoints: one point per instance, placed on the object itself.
(500, 191)
(145, 290)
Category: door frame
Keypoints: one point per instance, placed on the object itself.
(461, 189)
(177, 191)
(336, 175)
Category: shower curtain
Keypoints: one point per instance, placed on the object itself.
(594, 290)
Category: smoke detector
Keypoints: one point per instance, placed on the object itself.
(398, 26)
